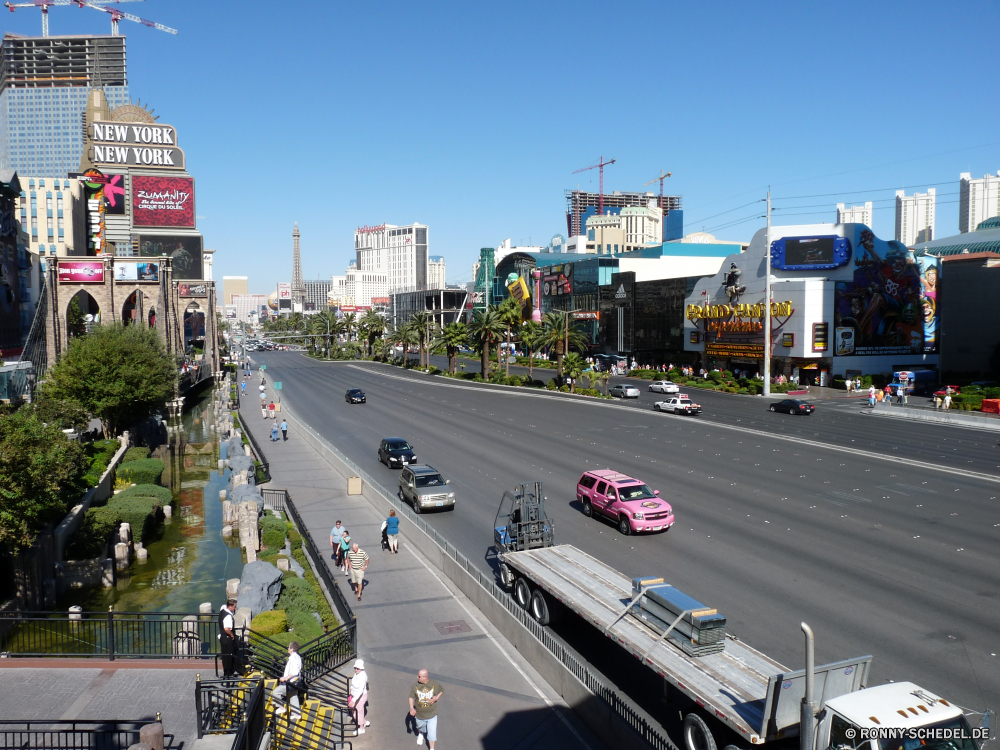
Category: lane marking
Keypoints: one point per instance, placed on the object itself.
(746, 430)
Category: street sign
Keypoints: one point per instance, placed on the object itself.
(277, 386)
(263, 367)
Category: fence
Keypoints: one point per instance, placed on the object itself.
(72, 735)
(274, 499)
(129, 635)
(263, 468)
(231, 707)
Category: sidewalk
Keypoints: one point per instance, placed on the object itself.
(411, 618)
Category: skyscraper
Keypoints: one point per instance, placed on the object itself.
(855, 214)
(400, 253)
(43, 92)
(581, 205)
(978, 200)
(915, 216)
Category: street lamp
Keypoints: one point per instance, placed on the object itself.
(536, 314)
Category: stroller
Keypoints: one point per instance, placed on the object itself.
(385, 538)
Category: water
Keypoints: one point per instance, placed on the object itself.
(190, 562)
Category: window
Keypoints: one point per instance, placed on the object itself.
(839, 728)
(588, 481)
(602, 487)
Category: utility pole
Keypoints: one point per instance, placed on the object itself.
(767, 300)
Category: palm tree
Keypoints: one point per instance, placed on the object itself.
(406, 334)
(350, 322)
(559, 331)
(372, 325)
(532, 337)
(602, 377)
(510, 314)
(382, 349)
(487, 328)
(423, 325)
(452, 337)
(573, 366)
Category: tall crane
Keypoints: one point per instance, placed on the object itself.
(600, 196)
(116, 14)
(661, 178)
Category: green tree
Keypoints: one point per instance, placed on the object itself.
(487, 329)
(350, 323)
(602, 377)
(120, 374)
(532, 337)
(41, 473)
(372, 325)
(67, 415)
(75, 325)
(452, 337)
(560, 331)
(573, 367)
(510, 314)
(425, 328)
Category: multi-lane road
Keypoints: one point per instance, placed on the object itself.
(883, 534)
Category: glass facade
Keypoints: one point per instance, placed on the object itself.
(40, 128)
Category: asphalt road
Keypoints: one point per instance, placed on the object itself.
(875, 531)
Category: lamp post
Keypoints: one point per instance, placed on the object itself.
(536, 314)
(767, 301)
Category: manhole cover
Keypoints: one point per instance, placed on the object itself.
(455, 626)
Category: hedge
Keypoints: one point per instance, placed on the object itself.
(98, 526)
(141, 513)
(99, 455)
(297, 595)
(143, 471)
(161, 494)
(272, 532)
(135, 454)
(270, 623)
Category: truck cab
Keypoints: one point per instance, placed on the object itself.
(893, 710)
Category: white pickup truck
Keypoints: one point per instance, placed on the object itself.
(679, 404)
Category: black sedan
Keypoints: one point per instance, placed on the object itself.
(395, 453)
(793, 406)
(355, 396)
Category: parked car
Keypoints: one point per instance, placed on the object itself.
(423, 487)
(948, 389)
(355, 396)
(793, 406)
(679, 404)
(626, 501)
(624, 391)
(664, 386)
(395, 452)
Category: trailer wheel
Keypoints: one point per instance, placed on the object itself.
(522, 593)
(539, 608)
(506, 576)
(697, 735)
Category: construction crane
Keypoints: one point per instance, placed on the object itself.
(600, 196)
(116, 15)
(661, 178)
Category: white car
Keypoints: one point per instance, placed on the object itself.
(624, 391)
(679, 404)
(664, 386)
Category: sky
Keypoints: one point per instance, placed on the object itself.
(472, 117)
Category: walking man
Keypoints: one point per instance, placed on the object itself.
(270, 410)
(947, 400)
(274, 432)
(284, 429)
(227, 637)
(263, 408)
(424, 697)
(291, 680)
(336, 534)
(357, 559)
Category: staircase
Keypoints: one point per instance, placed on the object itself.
(324, 722)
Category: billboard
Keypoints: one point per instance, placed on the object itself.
(81, 271)
(231, 312)
(135, 145)
(284, 296)
(557, 280)
(890, 305)
(162, 201)
(192, 290)
(125, 271)
(185, 251)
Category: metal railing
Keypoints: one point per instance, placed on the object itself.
(262, 472)
(226, 706)
(74, 734)
(112, 635)
(274, 499)
(648, 729)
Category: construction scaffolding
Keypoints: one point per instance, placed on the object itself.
(580, 205)
(57, 61)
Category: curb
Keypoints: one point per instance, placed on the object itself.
(972, 423)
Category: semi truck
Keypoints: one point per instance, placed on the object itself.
(733, 698)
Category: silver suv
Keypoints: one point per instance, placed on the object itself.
(424, 488)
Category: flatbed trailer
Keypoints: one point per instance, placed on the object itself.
(747, 691)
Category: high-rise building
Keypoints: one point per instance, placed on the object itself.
(45, 209)
(232, 285)
(978, 200)
(398, 253)
(855, 214)
(634, 227)
(435, 272)
(316, 294)
(247, 304)
(338, 290)
(915, 217)
(43, 92)
(581, 205)
(361, 286)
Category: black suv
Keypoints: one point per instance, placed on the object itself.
(355, 396)
(396, 453)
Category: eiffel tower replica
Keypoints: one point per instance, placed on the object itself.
(298, 288)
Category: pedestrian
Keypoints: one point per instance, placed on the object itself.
(357, 560)
(243, 387)
(270, 410)
(424, 697)
(261, 388)
(263, 410)
(227, 637)
(359, 695)
(947, 401)
(857, 383)
(274, 432)
(291, 681)
(871, 396)
(391, 526)
(937, 401)
(284, 430)
(849, 384)
(335, 534)
(345, 545)
(899, 394)
(888, 394)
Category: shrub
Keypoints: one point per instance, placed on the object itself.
(715, 376)
(141, 513)
(97, 527)
(143, 471)
(743, 391)
(270, 623)
(728, 374)
(155, 491)
(564, 389)
(551, 385)
(272, 532)
(297, 595)
(135, 454)
(99, 455)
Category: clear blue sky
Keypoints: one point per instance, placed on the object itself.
(471, 117)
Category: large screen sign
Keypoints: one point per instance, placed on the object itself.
(162, 201)
(184, 250)
(891, 304)
(81, 271)
(130, 271)
(810, 253)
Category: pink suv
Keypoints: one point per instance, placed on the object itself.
(627, 501)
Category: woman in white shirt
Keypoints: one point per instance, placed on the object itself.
(359, 695)
(290, 680)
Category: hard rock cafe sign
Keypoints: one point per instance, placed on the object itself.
(742, 317)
